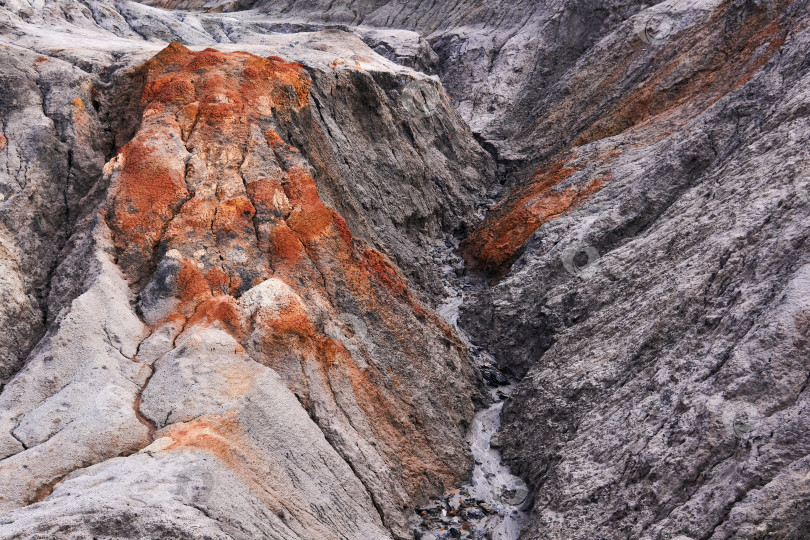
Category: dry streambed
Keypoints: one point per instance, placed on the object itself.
(493, 504)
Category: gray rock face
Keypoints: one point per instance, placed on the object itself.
(661, 324)
(497, 59)
(425, 176)
(247, 349)
(263, 470)
(53, 148)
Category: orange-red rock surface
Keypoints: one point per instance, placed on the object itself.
(218, 222)
(226, 332)
(495, 244)
(681, 84)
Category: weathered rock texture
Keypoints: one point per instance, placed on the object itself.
(219, 265)
(223, 356)
(658, 299)
(496, 58)
(53, 145)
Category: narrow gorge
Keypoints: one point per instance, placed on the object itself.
(399, 269)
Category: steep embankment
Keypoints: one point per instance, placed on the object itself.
(224, 356)
(496, 58)
(645, 270)
(649, 254)
(654, 285)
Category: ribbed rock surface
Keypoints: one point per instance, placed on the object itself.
(659, 295)
(496, 58)
(224, 357)
(219, 266)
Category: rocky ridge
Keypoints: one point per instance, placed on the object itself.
(643, 272)
(242, 319)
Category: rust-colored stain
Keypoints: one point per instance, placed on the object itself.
(45, 491)
(78, 110)
(149, 190)
(185, 91)
(273, 138)
(692, 72)
(385, 272)
(191, 283)
(235, 217)
(221, 435)
(709, 67)
(3, 142)
(222, 310)
(285, 244)
(215, 434)
(209, 181)
(496, 243)
(293, 320)
(225, 438)
(268, 197)
(219, 281)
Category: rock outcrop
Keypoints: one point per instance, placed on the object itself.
(226, 228)
(223, 355)
(652, 286)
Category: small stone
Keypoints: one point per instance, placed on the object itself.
(486, 508)
(495, 377)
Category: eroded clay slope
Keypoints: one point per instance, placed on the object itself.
(441, 173)
(497, 58)
(53, 147)
(223, 356)
(241, 298)
(651, 281)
